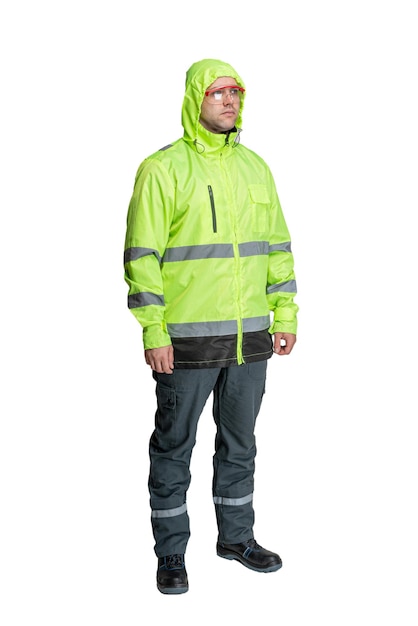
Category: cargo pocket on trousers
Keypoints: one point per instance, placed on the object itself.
(165, 417)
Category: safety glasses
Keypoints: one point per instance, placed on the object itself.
(219, 93)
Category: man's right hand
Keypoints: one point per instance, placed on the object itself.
(161, 360)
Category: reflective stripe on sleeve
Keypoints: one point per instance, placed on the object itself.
(288, 286)
(281, 247)
(144, 299)
(132, 254)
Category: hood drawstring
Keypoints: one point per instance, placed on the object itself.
(202, 147)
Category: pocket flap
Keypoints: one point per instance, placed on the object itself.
(259, 194)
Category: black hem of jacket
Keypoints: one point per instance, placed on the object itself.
(220, 351)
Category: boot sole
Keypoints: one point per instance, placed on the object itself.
(172, 590)
(236, 557)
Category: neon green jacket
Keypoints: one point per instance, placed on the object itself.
(207, 254)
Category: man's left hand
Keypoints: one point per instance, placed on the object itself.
(283, 343)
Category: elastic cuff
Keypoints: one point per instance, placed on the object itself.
(155, 337)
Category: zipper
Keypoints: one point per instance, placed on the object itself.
(212, 206)
(237, 267)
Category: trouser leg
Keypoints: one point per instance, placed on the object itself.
(237, 400)
(181, 397)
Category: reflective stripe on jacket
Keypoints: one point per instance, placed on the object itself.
(208, 257)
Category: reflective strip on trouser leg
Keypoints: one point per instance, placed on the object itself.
(233, 501)
(237, 401)
(181, 397)
(169, 512)
(171, 530)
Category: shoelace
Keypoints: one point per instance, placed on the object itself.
(174, 561)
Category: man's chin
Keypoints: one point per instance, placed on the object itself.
(228, 124)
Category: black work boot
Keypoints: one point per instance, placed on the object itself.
(171, 574)
(250, 554)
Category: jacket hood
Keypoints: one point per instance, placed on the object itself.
(198, 78)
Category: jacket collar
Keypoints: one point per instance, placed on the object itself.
(211, 144)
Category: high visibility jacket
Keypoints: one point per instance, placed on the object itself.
(208, 256)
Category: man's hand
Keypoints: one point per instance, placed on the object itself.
(283, 343)
(161, 360)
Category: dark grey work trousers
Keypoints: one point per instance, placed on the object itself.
(181, 398)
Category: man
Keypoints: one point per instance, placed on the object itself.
(210, 274)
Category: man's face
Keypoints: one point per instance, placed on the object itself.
(220, 116)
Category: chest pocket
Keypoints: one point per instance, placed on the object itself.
(260, 207)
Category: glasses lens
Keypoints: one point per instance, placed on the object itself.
(218, 95)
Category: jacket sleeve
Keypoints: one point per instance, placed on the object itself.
(281, 281)
(148, 224)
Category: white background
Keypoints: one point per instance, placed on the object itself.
(90, 89)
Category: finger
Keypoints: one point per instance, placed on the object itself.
(278, 343)
(165, 366)
(171, 358)
(168, 367)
